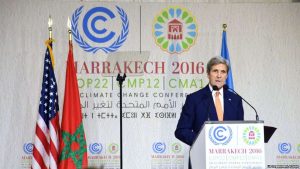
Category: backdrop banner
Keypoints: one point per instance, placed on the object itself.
(163, 48)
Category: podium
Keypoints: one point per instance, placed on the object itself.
(229, 145)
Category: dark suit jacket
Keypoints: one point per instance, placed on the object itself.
(198, 106)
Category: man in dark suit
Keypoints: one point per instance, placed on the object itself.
(210, 103)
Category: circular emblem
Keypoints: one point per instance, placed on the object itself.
(220, 135)
(95, 148)
(96, 27)
(159, 147)
(175, 30)
(284, 148)
(28, 148)
(176, 147)
(251, 135)
(113, 148)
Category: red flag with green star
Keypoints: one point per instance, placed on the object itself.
(73, 149)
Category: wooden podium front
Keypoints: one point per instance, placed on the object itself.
(229, 145)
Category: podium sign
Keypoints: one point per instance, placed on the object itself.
(229, 145)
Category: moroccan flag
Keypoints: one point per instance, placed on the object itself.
(46, 142)
(73, 148)
(225, 54)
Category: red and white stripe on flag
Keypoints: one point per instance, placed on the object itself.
(46, 141)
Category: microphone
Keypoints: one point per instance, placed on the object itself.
(227, 88)
(216, 89)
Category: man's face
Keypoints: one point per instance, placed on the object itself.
(217, 75)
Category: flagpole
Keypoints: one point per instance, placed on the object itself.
(72, 129)
(48, 114)
(121, 79)
(225, 54)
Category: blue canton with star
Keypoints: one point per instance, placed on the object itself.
(49, 98)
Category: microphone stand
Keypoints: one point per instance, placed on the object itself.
(121, 79)
(256, 114)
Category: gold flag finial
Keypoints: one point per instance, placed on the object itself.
(50, 22)
(224, 26)
(69, 29)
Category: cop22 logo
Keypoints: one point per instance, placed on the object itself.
(175, 30)
(176, 147)
(95, 19)
(159, 147)
(251, 135)
(113, 148)
(220, 135)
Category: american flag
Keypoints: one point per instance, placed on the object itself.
(46, 142)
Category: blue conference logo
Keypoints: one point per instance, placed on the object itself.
(28, 148)
(284, 148)
(98, 27)
(159, 147)
(220, 135)
(95, 148)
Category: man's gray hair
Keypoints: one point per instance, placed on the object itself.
(215, 61)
